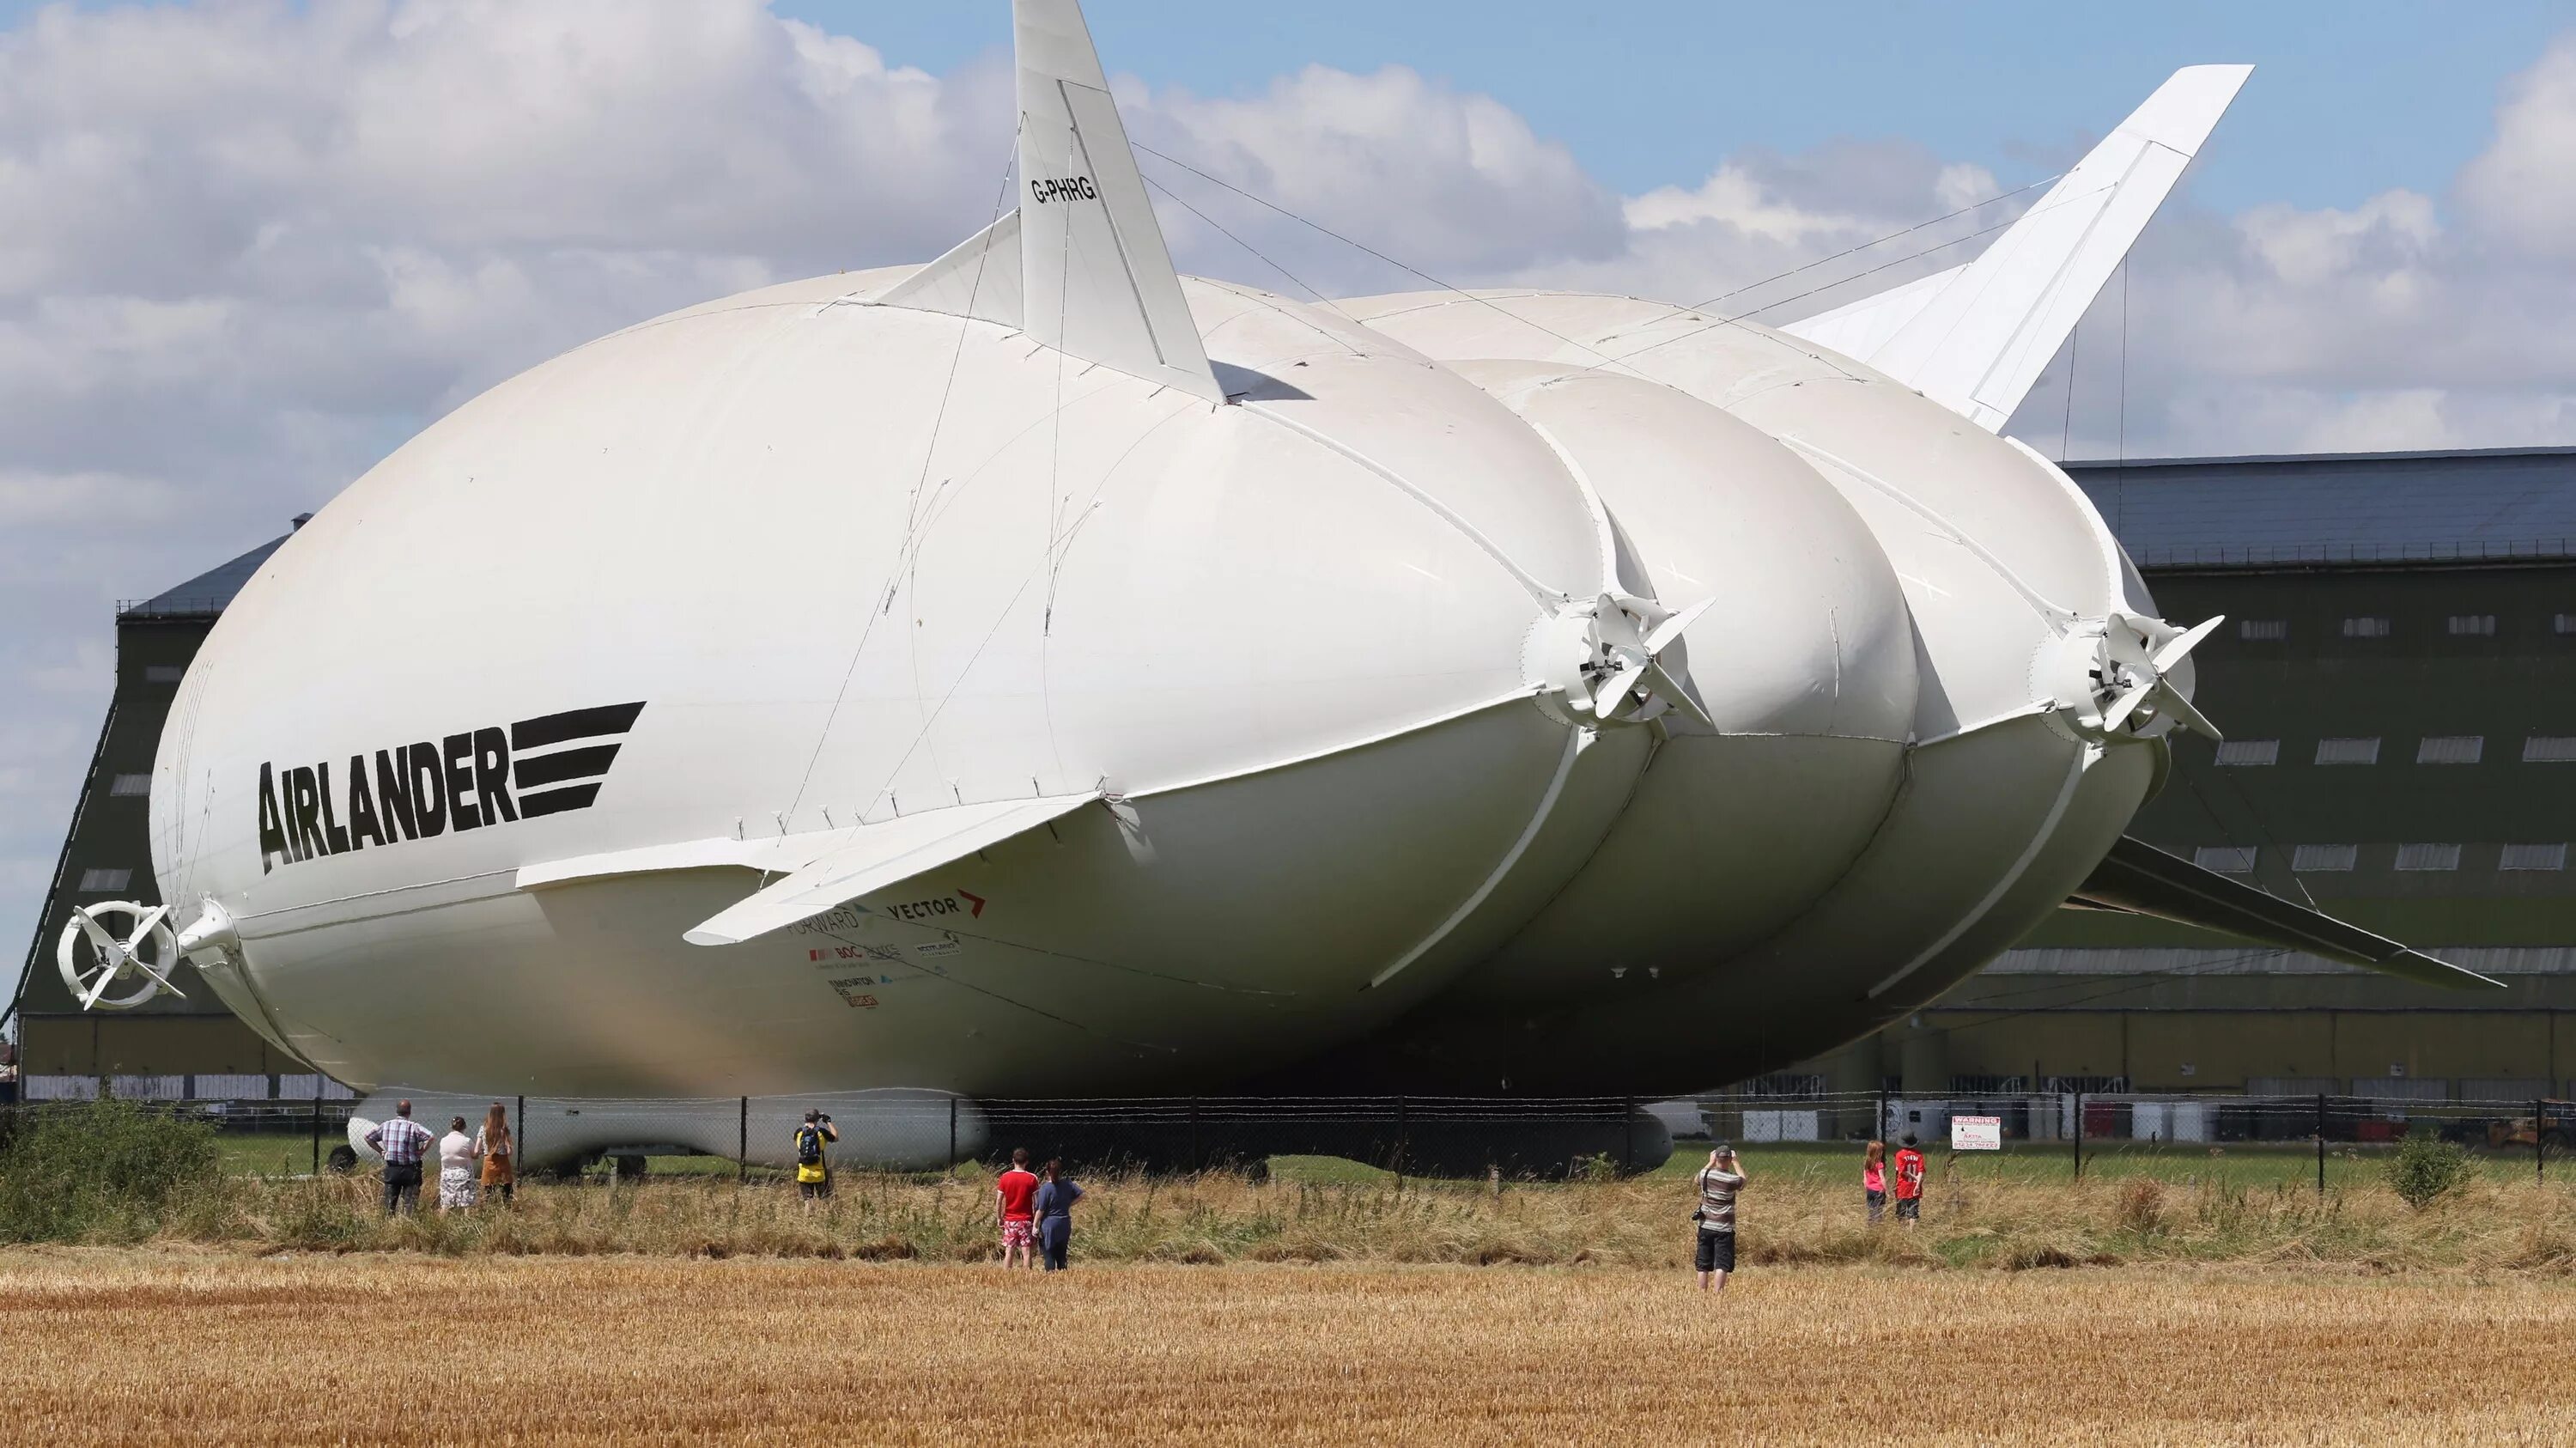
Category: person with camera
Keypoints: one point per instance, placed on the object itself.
(1719, 1181)
(813, 1162)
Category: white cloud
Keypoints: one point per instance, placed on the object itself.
(2520, 190)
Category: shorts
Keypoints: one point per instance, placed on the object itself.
(1909, 1209)
(814, 1190)
(1877, 1203)
(1716, 1252)
(1016, 1233)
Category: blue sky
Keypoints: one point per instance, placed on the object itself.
(2349, 99)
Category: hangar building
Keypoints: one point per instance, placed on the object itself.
(2397, 680)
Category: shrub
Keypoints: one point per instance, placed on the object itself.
(106, 1168)
(2426, 1168)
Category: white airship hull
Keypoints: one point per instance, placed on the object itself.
(1037, 673)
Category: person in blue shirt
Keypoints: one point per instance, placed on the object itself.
(1056, 1196)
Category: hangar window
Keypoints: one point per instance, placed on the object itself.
(2533, 857)
(163, 673)
(2549, 749)
(2323, 857)
(131, 784)
(2473, 625)
(2250, 751)
(2563, 623)
(102, 880)
(2225, 859)
(2428, 857)
(2451, 749)
(2263, 630)
(2365, 628)
(2347, 751)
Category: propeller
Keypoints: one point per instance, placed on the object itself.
(116, 956)
(1603, 660)
(2135, 670)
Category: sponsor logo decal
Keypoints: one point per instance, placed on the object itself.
(1063, 188)
(955, 903)
(490, 775)
(840, 954)
(854, 991)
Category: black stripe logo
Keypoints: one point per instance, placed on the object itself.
(578, 746)
(485, 776)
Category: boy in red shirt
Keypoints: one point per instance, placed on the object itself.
(1015, 1203)
(1909, 1182)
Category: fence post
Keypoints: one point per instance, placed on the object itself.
(2078, 1135)
(519, 1129)
(1403, 1140)
(742, 1155)
(1194, 1134)
(2321, 1143)
(1628, 1135)
(952, 1136)
(1881, 1134)
(317, 1125)
(2539, 1133)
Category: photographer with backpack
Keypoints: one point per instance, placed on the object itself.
(813, 1166)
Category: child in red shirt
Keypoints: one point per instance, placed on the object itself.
(1015, 1197)
(1909, 1182)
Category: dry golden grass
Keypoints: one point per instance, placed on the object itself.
(107, 1345)
(1803, 1218)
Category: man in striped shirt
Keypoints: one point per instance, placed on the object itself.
(402, 1142)
(1718, 1184)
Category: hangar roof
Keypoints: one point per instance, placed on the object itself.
(2490, 504)
(207, 594)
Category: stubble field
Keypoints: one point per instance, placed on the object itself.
(119, 1345)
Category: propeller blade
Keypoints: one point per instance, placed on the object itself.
(2170, 698)
(2127, 704)
(2183, 643)
(1674, 691)
(106, 974)
(96, 932)
(144, 926)
(1663, 634)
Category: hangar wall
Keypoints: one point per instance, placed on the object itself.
(106, 855)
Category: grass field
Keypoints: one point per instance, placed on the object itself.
(111, 1345)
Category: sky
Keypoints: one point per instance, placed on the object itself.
(246, 249)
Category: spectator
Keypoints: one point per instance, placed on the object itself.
(1719, 1181)
(813, 1163)
(1909, 1182)
(1873, 1180)
(499, 1153)
(402, 1142)
(1056, 1196)
(456, 1187)
(1015, 1204)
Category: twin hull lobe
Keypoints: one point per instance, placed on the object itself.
(1287, 632)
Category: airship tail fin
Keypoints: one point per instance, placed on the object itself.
(881, 855)
(1094, 279)
(2139, 879)
(1976, 337)
(978, 277)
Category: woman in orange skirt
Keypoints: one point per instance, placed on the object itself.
(499, 1152)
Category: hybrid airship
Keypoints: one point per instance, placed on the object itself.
(1040, 673)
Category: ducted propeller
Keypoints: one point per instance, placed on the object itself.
(146, 948)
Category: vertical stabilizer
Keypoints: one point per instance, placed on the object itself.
(1096, 281)
(1976, 344)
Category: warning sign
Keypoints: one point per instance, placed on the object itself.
(1976, 1133)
